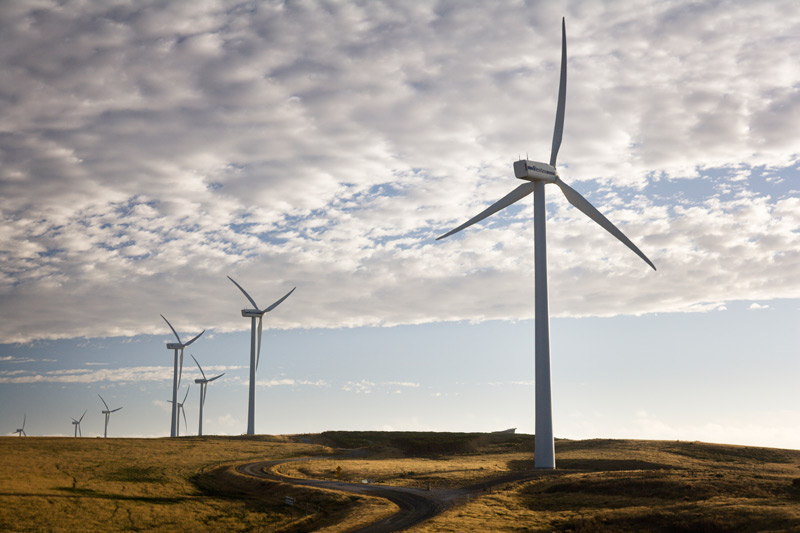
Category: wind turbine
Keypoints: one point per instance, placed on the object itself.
(21, 431)
(537, 176)
(176, 375)
(107, 412)
(180, 407)
(77, 424)
(255, 352)
(203, 382)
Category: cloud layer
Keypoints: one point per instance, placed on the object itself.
(149, 150)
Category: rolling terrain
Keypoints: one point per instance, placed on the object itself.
(480, 481)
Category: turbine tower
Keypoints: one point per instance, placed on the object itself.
(203, 382)
(537, 175)
(21, 431)
(107, 412)
(180, 407)
(255, 314)
(176, 375)
(77, 424)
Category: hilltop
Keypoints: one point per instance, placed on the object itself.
(600, 485)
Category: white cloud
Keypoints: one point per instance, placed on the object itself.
(756, 306)
(106, 375)
(407, 384)
(142, 161)
(359, 387)
(291, 382)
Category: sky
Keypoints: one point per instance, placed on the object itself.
(150, 149)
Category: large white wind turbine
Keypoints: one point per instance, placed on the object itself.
(538, 175)
(176, 375)
(107, 412)
(203, 382)
(21, 431)
(182, 410)
(77, 424)
(255, 314)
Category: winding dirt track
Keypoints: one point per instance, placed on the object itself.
(416, 505)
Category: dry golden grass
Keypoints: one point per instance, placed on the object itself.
(61, 484)
(615, 485)
(601, 485)
(447, 471)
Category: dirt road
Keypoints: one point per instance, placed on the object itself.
(416, 505)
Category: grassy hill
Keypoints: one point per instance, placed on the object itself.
(600, 485)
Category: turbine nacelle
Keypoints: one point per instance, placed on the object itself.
(174, 346)
(535, 171)
(252, 313)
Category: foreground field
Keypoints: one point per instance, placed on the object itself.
(601, 485)
(61, 484)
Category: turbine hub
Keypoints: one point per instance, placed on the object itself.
(534, 171)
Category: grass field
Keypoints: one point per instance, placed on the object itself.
(63, 484)
(601, 485)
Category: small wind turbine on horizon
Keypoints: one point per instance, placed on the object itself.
(21, 431)
(182, 410)
(203, 382)
(537, 175)
(77, 423)
(255, 314)
(176, 376)
(107, 412)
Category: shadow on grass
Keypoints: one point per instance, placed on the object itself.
(593, 465)
(321, 508)
(685, 520)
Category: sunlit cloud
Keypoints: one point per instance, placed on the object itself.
(129, 374)
(144, 162)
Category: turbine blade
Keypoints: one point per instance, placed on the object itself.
(258, 350)
(180, 368)
(198, 366)
(104, 402)
(255, 306)
(276, 304)
(517, 194)
(185, 396)
(590, 211)
(117, 409)
(185, 425)
(215, 377)
(173, 329)
(562, 97)
(194, 339)
(81, 418)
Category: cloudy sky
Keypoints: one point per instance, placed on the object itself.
(150, 149)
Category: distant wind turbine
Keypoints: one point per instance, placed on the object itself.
(537, 175)
(107, 412)
(203, 382)
(176, 375)
(182, 410)
(21, 431)
(255, 314)
(77, 424)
